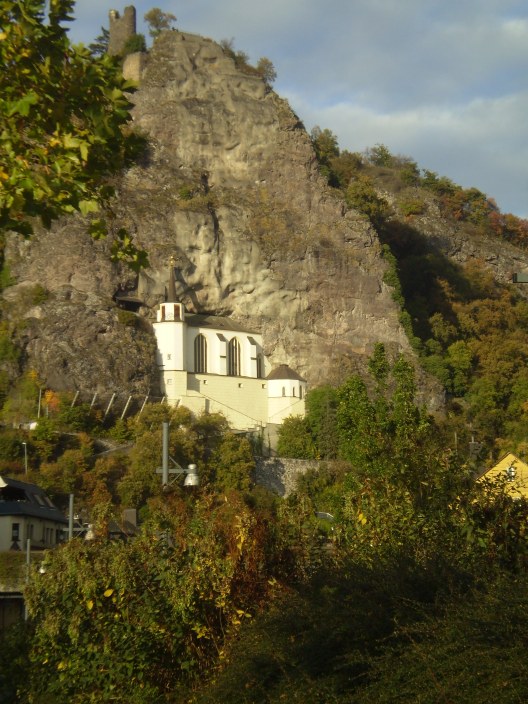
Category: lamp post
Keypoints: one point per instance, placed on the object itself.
(25, 458)
(191, 473)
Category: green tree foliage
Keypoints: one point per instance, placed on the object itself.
(100, 44)
(466, 654)
(384, 435)
(232, 464)
(321, 407)
(135, 43)
(63, 124)
(326, 148)
(266, 69)
(158, 21)
(21, 405)
(379, 155)
(295, 439)
(344, 167)
(361, 195)
(136, 618)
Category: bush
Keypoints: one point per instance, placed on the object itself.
(414, 206)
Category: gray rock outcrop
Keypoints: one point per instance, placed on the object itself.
(230, 186)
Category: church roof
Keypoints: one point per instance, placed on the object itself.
(218, 322)
(283, 371)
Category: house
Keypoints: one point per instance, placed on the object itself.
(28, 522)
(511, 473)
(27, 513)
(213, 364)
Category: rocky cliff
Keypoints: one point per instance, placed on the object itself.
(229, 186)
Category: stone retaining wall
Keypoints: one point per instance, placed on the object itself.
(279, 474)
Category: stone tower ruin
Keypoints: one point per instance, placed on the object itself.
(121, 29)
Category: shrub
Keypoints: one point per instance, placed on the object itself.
(413, 206)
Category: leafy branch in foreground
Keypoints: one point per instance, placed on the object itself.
(64, 122)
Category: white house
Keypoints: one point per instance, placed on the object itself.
(213, 364)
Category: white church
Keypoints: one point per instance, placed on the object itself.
(213, 364)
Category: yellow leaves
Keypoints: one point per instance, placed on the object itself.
(108, 592)
(3, 36)
(88, 206)
(90, 604)
(362, 518)
(201, 631)
(62, 665)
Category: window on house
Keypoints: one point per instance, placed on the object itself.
(15, 531)
(260, 367)
(233, 357)
(200, 354)
(284, 391)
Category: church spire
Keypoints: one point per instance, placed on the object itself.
(171, 292)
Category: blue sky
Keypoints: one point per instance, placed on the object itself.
(442, 81)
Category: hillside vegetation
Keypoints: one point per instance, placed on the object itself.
(469, 330)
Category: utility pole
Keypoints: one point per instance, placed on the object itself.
(25, 458)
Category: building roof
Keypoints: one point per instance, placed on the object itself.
(23, 499)
(509, 472)
(196, 320)
(283, 371)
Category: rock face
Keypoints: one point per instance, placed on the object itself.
(232, 189)
(230, 186)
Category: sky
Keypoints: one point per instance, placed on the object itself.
(444, 82)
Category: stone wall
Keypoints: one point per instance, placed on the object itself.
(279, 474)
(134, 65)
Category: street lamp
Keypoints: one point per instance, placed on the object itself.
(191, 473)
(25, 458)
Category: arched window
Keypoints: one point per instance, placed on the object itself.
(260, 367)
(200, 354)
(233, 357)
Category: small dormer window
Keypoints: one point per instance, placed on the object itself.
(511, 473)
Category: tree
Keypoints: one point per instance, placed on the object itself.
(100, 44)
(63, 124)
(158, 21)
(232, 464)
(379, 155)
(267, 70)
(321, 405)
(361, 195)
(295, 439)
(134, 44)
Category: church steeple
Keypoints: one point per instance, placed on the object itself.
(171, 290)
